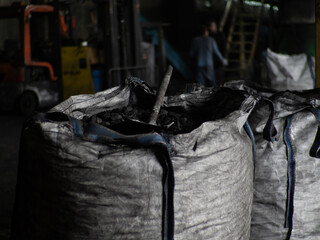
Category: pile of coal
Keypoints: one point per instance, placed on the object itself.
(180, 114)
(134, 120)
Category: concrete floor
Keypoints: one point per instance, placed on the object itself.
(10, 130)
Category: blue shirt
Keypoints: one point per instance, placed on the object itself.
(202, 50)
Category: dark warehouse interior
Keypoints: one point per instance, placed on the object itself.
(56, 53)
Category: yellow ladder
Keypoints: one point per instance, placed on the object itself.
(242, 41)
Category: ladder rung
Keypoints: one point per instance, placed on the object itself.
(246, 23)
(233, 60)
(238, 51)
(246, 33)
(239, 43)
(232, 69)
(246, 15)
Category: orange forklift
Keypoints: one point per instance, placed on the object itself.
(35, 71)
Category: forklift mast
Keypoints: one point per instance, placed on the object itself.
(25, 14)
(28, 61)
(35, 70)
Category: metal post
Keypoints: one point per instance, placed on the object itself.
(162, 52)
(317, 64)
(57, 50)
(225, 15)
(271, 26)
(103, 9)
(114, 34)
(242, 47)
(137, 32)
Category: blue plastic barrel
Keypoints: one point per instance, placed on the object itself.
(97, 79)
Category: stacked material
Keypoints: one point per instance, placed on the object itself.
(83, 176)
(290, 72)
(286, 184)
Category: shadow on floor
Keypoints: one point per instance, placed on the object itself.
(10, 131)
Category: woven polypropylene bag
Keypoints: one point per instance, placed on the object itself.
(286, 193)
(213, 168)
(85, 182)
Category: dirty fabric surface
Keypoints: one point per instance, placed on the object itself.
(292, 72)
(284, 170)
(75, 189)
(100, 188)
(213, 168)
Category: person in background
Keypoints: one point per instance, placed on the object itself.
(203, 49)
(220, 39)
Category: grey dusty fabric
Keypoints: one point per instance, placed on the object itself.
(80, 106)
(271, 172)
(81, 190)
(289, 72)
(213, 168)
(72, 188)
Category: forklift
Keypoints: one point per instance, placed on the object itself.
(36, 71)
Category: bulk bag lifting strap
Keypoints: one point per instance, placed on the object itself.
(277, 175)
(314, 152)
